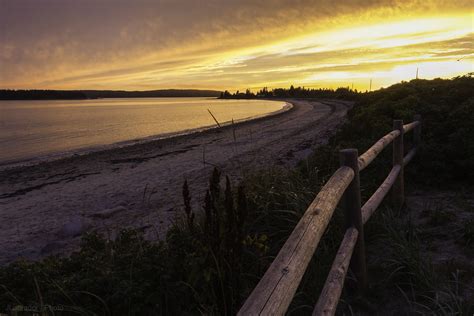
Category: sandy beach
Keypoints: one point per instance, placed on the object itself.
(46, 207)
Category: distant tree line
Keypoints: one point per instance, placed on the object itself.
(97, 94)
(41, 95)
(168, 93)
(292, 92)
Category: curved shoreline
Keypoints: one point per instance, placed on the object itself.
(91, 150)
(139, 186)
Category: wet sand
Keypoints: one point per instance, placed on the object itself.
(46, 207)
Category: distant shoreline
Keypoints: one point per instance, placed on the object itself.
(80, 152)
(12, 95)
(142, 183)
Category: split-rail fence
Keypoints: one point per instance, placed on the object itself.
(275, 291)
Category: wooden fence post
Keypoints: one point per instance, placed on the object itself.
(352, 208)
(417, 131)
(398, 188)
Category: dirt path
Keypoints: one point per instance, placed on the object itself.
(45, 208)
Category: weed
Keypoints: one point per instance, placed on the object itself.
(439, 216)
(468, 232)
(211, 260)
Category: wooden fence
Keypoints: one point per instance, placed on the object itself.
(275, 291)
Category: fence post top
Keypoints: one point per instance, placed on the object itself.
(398, 124)
(349, 157)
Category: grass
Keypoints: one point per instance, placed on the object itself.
(439, 216)
(468, 233)
(404, 271)
(211, 260)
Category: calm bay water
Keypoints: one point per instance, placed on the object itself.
(32, 129)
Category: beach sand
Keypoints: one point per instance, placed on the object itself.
(46, 207)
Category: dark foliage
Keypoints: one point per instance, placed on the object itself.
(96, 94)
(151, 94)
(198, 269)
(292, 92)
(447, 110)
(209, 264)
(41, 95)
(187, 206)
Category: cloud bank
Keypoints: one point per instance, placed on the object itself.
(145, 44)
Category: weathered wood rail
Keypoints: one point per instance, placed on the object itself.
(275, 291)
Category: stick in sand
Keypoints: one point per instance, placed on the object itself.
(203, 154)
(233, 130)
(219, 125)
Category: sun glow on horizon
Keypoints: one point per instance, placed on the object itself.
(349, 49)
(408, 37)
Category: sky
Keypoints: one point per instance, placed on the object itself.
(231, 44)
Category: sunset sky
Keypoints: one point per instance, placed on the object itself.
(231, 44)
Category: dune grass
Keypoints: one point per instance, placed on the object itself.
(213, 257)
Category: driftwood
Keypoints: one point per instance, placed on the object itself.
(417, 132)
(327, 302)
(409, 156)
(409, 127)
(274, 292)
(366, 158)
(374, 201)
(398, 187)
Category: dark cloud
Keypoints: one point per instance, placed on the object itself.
(54, 40)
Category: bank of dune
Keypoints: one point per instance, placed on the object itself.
(235, 222)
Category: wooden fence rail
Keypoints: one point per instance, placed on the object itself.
(275, 291)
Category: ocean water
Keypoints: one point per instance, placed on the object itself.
(34, 129)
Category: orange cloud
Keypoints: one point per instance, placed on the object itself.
(102, 44)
